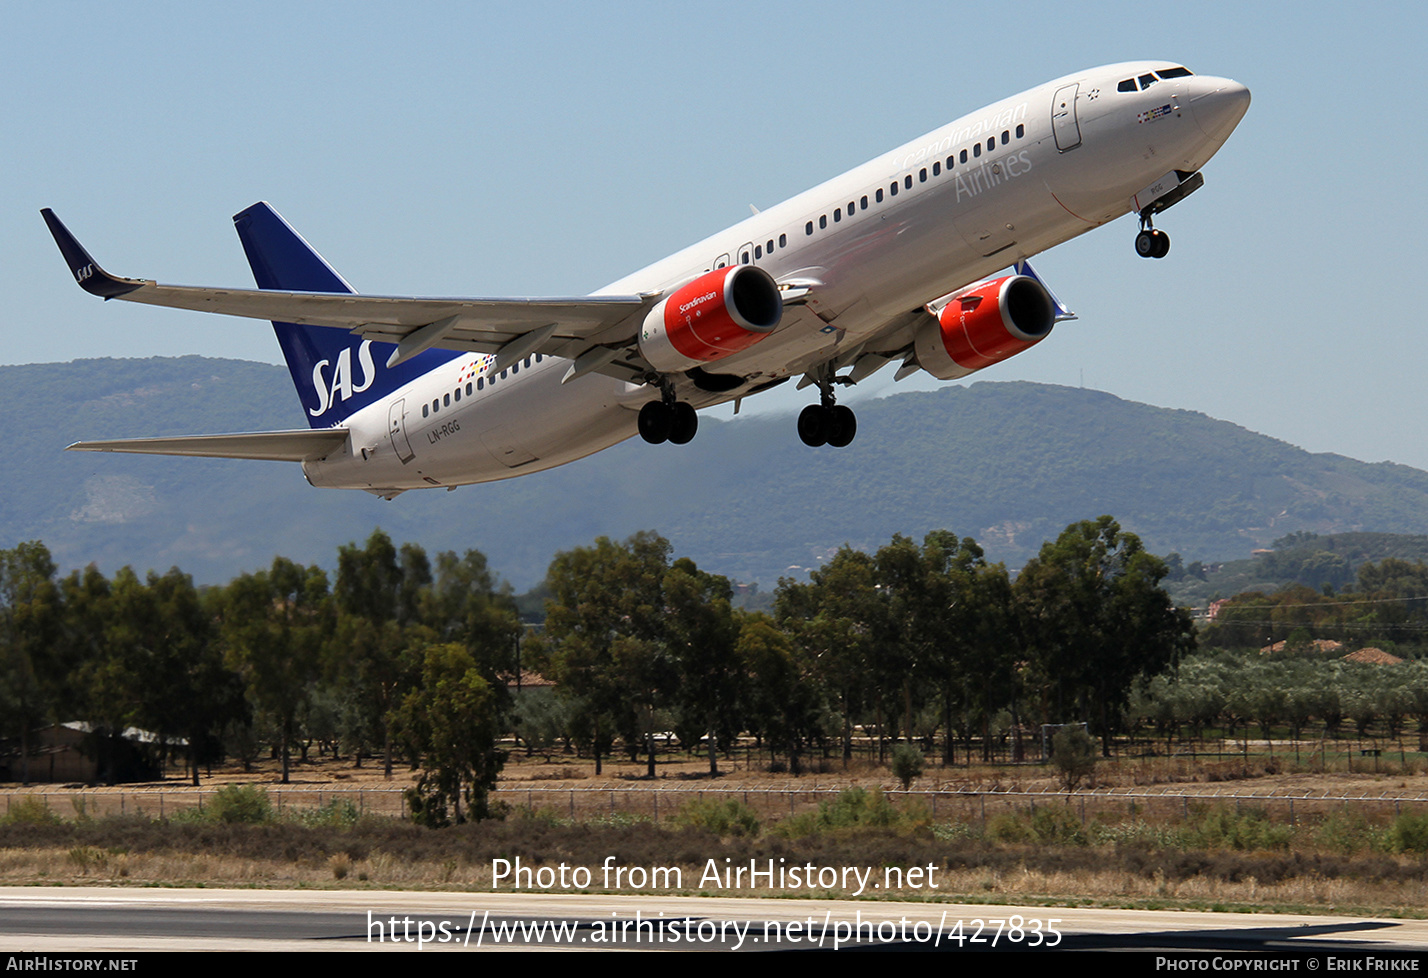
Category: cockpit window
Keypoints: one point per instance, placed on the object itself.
(1176, 72)
(1126, 86)
(1146, 81)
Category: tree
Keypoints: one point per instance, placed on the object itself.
(906, 764)
(1073, 753)
(784, 696)
(379, 594)
(451, 719)
(31, 613)
(1096, 619)
(605, 628)
(275, 624)
(833, 620)
(703, 635)
(164, 641)
(949, 613)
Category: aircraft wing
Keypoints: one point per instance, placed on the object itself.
(563, 327)
(299, 445)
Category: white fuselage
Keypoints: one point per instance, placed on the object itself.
(1026, 173)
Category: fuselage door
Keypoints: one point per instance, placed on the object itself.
(397, 428)
(1063, 118)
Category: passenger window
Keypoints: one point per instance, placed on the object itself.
(936, 169)
(515, 369)
(907, 181)
(758, 251)
(976, 150)
(480, 383)
(822, 221)
(504, 372)
(837, 214)
(1020, 131)
(863, 202)
(468, 388)
(922, 175)
(527, 361)
(425, 410)
(783, 240)
(458, 395)
(768, 249)
(446, 398)
(852, 207)
(808, 228)
(991, 144)
(1006, 137)
(893, 189)
(744, 258)
(435, 406)
(964, 156)
(879, 196)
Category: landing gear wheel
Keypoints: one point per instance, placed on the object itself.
(685, 424)
(656, 422)
(1151, 243)
(843, 425)
(813, 426)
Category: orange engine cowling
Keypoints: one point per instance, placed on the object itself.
(985, 324)
(715, 316)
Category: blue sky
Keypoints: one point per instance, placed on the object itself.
(541, 148)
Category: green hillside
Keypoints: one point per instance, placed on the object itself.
(1009, 463)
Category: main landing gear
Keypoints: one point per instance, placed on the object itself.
(827, 423)
(668, 420)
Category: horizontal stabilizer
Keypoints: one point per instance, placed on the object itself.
(300, 445)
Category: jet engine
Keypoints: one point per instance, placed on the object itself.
(715, 316)
(983, 325)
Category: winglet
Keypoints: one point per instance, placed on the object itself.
(86, 271)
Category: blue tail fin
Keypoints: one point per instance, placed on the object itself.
(335, 372)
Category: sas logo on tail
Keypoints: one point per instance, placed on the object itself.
(343, 383)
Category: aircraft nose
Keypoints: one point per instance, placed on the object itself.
(1218, 104)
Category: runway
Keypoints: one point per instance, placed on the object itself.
(92, 920)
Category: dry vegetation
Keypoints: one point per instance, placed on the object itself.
(1194, 851)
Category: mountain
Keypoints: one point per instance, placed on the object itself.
(1008, 463)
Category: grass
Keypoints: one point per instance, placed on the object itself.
(1213, 856)
(987, 848)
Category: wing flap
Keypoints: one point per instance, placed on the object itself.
(481, 325)
(299, 445)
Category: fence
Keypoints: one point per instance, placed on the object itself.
(165, 802)
(660, 803)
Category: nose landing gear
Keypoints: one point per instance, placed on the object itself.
(1150, 243)
(1165, 193)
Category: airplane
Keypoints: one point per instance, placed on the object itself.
(898, 260)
